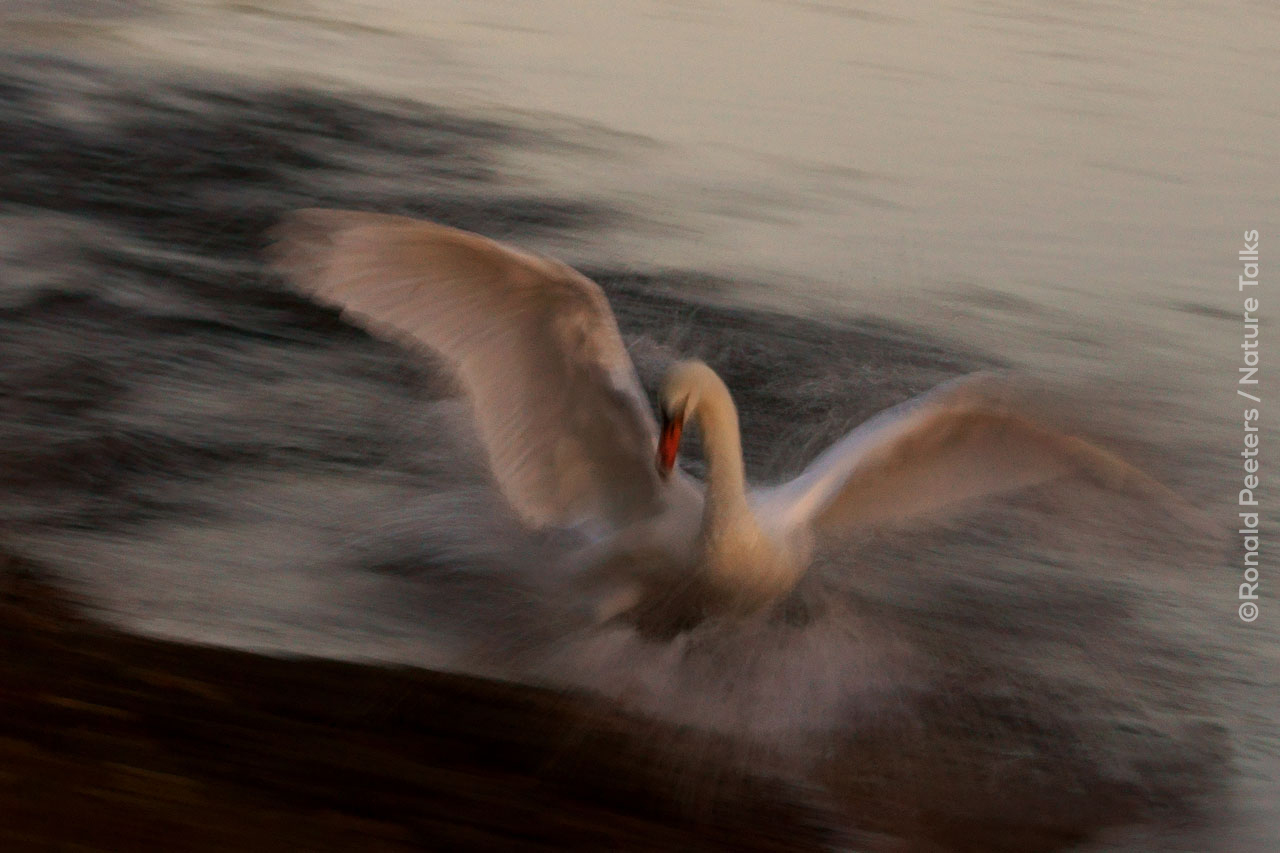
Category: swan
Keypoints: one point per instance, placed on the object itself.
(572, 442)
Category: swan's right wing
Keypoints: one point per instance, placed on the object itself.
(568, 431)
(936, 452)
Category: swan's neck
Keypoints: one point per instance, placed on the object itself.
(722, 443)
(737, 556)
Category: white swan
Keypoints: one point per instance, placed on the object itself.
(571, 439)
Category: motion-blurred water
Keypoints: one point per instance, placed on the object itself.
(1060, 188)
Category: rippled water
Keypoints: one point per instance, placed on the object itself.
(1057, 187)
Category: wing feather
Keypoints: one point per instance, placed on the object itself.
(935, 452)
(559, 408)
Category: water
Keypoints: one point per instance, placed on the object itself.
(1061, 188)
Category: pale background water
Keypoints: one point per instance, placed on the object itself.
(1061, 185)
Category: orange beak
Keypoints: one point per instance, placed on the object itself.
(669, 443)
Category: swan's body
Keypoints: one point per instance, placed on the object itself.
(571, 440)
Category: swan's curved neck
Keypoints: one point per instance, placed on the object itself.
(736, 554)
(722, 443)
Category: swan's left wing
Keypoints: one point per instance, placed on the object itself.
(933, 453)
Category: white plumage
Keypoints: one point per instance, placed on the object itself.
(571, 439)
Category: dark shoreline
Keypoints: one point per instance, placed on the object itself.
(115, 742)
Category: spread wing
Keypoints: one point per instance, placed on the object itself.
(568, 431)
(935, 452)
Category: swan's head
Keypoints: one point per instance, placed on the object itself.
(683, 389)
